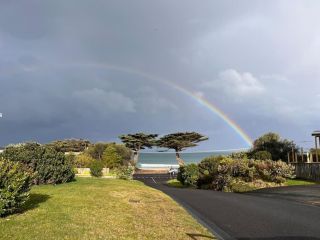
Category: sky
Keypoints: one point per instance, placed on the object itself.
(100, 68)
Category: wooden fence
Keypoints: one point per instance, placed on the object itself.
(310, 171)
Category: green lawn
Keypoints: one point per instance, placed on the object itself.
(91, 208)
(297, 182)
(175, 183)
(248, 188)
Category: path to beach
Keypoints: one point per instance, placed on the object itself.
(279, 213)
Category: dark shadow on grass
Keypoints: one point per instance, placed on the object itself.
(34, 201)
(196, 236)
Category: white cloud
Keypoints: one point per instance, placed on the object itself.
(236, 83)
(199, 94)
(103, 101)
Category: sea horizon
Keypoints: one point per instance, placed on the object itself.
(168, 159)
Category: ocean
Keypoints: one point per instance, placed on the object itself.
(168, 159)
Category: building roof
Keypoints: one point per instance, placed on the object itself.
(316, 133)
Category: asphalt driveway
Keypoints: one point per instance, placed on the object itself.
(278, 213)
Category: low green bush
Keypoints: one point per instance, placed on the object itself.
(262, 155)
(208, 170)
(125, 172)
(15, 185)
(227, 174)
(188, 175)
(273, 171)
(111, 158)
(96, 169)
(49, 166)
(83, 160)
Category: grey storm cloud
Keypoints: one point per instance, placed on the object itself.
(258, 61)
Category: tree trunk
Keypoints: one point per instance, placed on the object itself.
(135, 158)
(179, 160)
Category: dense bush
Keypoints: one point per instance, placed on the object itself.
(70, 145)
(96, 169)
(125, 154)
(188, 175)
(238, 155)
(125, 172)
(111, 158)
(262, 155)
(97, 151)
(272, 171)
(83, 160)
(227, 174)
(208, 169)
(49, 166)
(15, 184)
(275, 145)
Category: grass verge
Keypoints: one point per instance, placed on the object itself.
(91, 208)
(175, 183)
(298, 182)
(247, 187)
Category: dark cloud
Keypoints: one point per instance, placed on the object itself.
(258, 61)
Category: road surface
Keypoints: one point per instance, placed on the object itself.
(279, 213)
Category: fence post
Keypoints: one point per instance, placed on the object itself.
(316, 143)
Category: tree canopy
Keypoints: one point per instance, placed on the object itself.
(70, 145)
(275, 145)
(138, 141)
(181, 140)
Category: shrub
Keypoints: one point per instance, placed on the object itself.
(208, 169)
(226, 174)
(96, 150)
(125, 172)
(83, 160)
(53, 168)
(238, 155)
(125, 154)
(70, 145)
(49, 166)
(15, 185)
(96, 169)
(71, 158)
(111, 158)
(188, 175)
(272, 171)
(262, 155)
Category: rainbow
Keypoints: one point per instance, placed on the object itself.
(200, 99)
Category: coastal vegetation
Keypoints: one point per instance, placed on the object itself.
(15, 184)
(137, 142)
(48, 165)
(25, 164)
(272, 146)
(70, 145)
(180, 141)
(92, 208)
(223, 173)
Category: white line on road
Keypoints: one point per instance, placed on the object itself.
(153, 180)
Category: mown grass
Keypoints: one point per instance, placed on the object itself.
(297, 182)
(175, 183)
(241, 188)
(91, 208)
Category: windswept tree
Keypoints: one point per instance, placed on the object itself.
(180, 141)
(137, 142)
